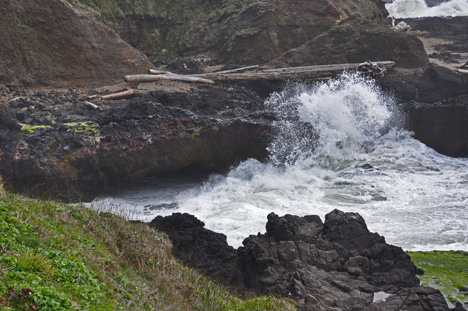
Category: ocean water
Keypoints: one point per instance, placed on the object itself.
(337, 144)
(419, 8)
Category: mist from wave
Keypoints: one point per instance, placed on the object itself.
(337, 144)
(419, 8)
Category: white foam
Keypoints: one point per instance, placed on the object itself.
(418, 8)
(415, 197)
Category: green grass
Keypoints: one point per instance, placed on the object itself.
(445, 270)
(62, 257)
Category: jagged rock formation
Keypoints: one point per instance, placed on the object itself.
(333, 265)
(52, 43)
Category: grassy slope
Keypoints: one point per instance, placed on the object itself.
(61, 257)
(445, 270)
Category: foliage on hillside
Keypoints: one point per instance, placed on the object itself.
(61, 257)
(445, 270)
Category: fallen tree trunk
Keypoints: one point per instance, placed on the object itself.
(170, 77)
(305, 72)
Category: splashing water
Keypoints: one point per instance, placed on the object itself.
(333, 123)
(419, 8)
(337, 145)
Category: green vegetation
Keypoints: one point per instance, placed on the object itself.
(89, 127)
(63, 257)
(31, 128)
(445, 270)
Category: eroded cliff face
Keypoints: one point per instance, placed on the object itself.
(52, 43)
(356, 40)
(229, 31)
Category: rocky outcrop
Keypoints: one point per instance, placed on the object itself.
(201, 248)
(443, 126)
(7, 119)
(73, 152)
(52, 43)
(432, 84)
(445, 38)
(333, 265)
(230, 31)
(354, 41)
(435, 102)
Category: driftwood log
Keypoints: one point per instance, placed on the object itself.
(118, 95)
(170, 77)
(305, 72)
(94, 106)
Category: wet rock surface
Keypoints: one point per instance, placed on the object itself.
(73, 152)
(333, 265)
(431, 84)
(442, 125)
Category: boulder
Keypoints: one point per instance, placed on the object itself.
(333, 265)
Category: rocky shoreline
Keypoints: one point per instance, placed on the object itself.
(337, 264)
(70, 151)
(55, 144)
(74, 152)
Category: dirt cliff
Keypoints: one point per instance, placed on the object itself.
(52, 43)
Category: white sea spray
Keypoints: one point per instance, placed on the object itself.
(419, 8)
(338, 144)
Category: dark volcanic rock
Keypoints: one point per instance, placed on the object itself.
(203, 249)
(335, 265)
(82, 152)
(7, 118)
(432, 84)
(442, 126)
(436, 106)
